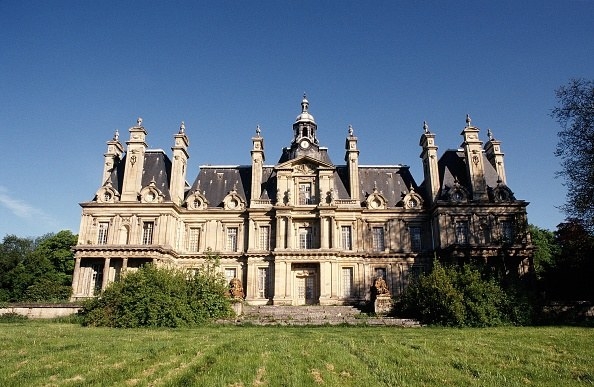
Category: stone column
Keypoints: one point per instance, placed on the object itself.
(105, 273)
(75, 278)
(290, 232)
(124, 265)
(324, 235)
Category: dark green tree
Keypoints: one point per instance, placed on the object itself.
(575, 114)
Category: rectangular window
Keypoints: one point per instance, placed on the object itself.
(347, 282)
(147, 233)
(102, 237)
(194, 239)
(232, 239)
(305, 238)
(305, 194)
(377, 234)
(415, 239)
(264, 238)
(380, 272)
(263, 282)
(462, 232)
(346, 237)
(507, 231)
(230, 273)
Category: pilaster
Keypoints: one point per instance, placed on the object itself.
(179, 164)
(430, 167)
(136, 148)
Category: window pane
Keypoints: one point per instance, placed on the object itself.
(347, 282)
(305, 194)
(194, 239)
(263, 282)
(102, 237)
(346, 237)
(264, 238)
(232, 239)
(507, 230)
(378, 238)
(462, 232)
(230, 273)
(147, 233)
(305, 238)
(415, 239)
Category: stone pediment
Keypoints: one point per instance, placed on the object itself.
(303, 164)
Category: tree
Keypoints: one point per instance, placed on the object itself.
(575, 114)
(36, 269)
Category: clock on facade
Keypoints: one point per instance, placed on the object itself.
(304, 144)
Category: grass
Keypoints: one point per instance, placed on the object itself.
(37, 353)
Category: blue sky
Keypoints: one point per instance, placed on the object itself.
(72, 72)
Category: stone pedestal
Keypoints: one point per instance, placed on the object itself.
(383, 305)
(237, 308)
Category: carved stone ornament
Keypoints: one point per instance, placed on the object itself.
(305, 169)
(233, 201)
(380, 287)
(412, 200)
(375, 201)
(196, 201)
(151, 194)
(107, 194)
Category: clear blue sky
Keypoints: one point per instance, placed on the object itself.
(72, 72)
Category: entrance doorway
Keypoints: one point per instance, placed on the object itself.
(306, 289)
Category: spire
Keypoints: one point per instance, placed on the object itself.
(425, 127)
(468, 120)
(490, 135)
(304, 104)
(258, 131)
(182, 128)
(350, 130)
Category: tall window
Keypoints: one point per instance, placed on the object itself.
(305, 238)
(380, 272)
(194, 239)
(462, 232)
(230, 273)
(147, 233)
(415, 238)
(264, 238)
(102, 237)
(263, 282)
(232, 239)
(346, 237)
(507, 230)
(347, 282)
(377, 235)
(305, 194)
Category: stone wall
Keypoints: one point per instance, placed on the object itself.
(41, 310)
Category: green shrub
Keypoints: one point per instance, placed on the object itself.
(462, 296)
(12, 318)
(160, 297)
(47, 289)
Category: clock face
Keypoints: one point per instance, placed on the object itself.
(304, 144)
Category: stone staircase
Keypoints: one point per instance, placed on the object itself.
(315, 315)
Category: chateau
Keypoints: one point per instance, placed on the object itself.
(303, 230)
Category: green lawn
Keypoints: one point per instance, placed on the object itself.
(35, 353)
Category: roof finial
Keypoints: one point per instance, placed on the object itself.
(425, 127)
(182, 128)
(139, 121)
(468, 120)
(304, 104)
(258, 130)
(490, 135)
(351, 130)
(116, 135)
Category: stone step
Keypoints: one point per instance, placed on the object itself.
(314, 315)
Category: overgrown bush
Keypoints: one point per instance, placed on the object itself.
(462, 296)
(161, 297)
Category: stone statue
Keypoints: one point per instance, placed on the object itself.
(381, 288)
(236, 289)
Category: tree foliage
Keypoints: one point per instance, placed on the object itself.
(463, 296)
(575, 114)
(36, 269)
(568, 275)
(161, 297)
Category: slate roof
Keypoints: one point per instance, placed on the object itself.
(215, 182)
(392, 181)
(157, 166)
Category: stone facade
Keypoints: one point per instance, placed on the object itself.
(304, 230)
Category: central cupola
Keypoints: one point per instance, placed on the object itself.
(304, 128)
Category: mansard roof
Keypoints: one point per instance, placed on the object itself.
(392, 181)
(157, 167)
(215, 182)
(452, 168)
